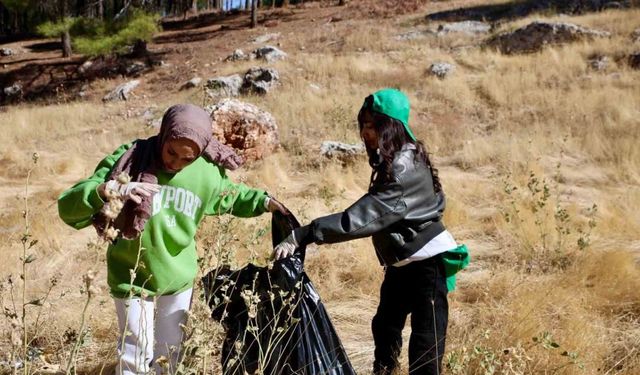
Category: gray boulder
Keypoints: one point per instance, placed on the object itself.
(259, 81)
(228, 86)
(270, 53)
(466, 27)
(6, 52)
(441, 69)
(536, 35)
(122, 92)
(343, 152)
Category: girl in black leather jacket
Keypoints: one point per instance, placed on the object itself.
(402, 212)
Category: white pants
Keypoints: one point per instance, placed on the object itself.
(152, 330)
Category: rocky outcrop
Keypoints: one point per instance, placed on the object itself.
(250, 130)
(536, 35)
(122, 92)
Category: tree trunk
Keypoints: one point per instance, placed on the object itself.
(100, 9)
(285, 3)
(140, 49)
(194, 6)
(247, 4)
(66, 44)
(342, 2)
(254, 13)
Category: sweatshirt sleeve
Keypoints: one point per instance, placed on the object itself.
(79, 203)
(237, 199)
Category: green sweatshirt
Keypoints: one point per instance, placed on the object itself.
(167, 259)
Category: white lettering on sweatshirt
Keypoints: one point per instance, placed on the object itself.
(179, 199)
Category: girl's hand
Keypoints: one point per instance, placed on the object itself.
(285, 248)
(273, 205)
(135, 191)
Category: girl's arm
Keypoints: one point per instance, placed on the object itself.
(373, 212)
(78, 204)
(237, 199)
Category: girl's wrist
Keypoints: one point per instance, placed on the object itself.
(267, 199)
(101, 189)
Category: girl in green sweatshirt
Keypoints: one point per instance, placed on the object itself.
(175, 179)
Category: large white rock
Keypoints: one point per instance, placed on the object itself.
(250, 130)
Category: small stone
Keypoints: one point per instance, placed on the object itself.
(441, 69)
(84, 68)
(6, 52)
(135, 68)
(598, 62)
(193, 82)
(237, 55)
(270, 53)
(13, 91)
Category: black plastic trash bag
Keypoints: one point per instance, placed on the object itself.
(274, 320)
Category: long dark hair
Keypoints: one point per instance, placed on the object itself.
(392, 136)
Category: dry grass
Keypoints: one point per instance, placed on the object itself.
(495, 121)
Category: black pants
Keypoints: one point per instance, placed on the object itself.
(420, 289)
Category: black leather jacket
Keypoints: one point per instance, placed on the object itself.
(401, 216)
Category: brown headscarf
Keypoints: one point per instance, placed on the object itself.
(144, 159)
